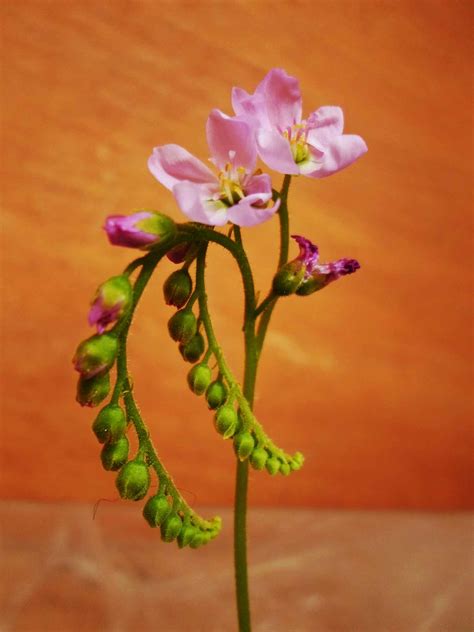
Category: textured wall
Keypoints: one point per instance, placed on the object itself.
(370, 378)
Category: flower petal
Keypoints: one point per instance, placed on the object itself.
(309, 252)
(325, 123)
(196, 201)
(171, 164)
(275, 152)
(282, 98)
(245, 214)
(260, 184)
(341, 152)
(250, 106)
(231, 140)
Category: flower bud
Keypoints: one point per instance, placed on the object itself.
(193, 350)
(182, 326)
(296, 462)
(244, 443)
(171, 527)
(258, 458)
(216, 394)
(111, 301)
(273, 465)
(226, 421)
(156, 510)
(110, 424)
(312, 284)
(139, 230)
(115, 454)
(177, 288)
(182, 252)
(133, 480)
(288, 278)
(186, 535)
(96, 355)
(198, 540)
(199, 378)
(285, 468)
(93, 391)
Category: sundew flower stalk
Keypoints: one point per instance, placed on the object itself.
(237, 193)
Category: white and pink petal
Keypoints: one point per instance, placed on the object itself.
(171, 164)
(231, 140)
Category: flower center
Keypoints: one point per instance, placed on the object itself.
(231, 184)
(296, 135)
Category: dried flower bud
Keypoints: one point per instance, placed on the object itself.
(156, 510)
(288, 278)
(133, 480)
(93, 391)
(193, 349)
(273, 465)
(139, 230)
(171, 527)
(258, 458)
(216, 394)
(115, 454)
(111, 301)
(182, 326)
(244, 443)
(199, 378)
(96, 355)
(110, 424)
(226, 421)
(178, 288)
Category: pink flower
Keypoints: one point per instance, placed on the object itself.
(237, 194)
(314, 147)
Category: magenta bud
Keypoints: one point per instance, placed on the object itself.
(111, 301)
(139, 230)
(96, 355)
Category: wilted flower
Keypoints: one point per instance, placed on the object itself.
(287, 143)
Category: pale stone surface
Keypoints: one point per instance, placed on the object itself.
(324, 571)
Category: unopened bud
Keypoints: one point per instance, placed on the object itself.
(285, 468)
(258, 458)
(216, 394)
(182, 252)
(93, 391)
(244, 443)
(198, 540)
(156, 510)
(96, 355)
(171, 527)
(182, 326)
(288, 278)
(139, 230)
(111, 301)
(199, 378)
(296, 462)
(110, 424)
(177, 288)
(186, 535)
(225, 421)
(115, 454)
(193, 349)
(133, 480)
(273, 465)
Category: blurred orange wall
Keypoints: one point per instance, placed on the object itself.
(370, 378)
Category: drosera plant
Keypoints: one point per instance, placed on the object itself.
(267, 124)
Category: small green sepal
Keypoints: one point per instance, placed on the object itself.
(288, 278)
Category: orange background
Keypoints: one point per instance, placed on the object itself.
(369, 378)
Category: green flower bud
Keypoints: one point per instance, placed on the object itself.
(288, 278)
(186, 535)
(273, 465)
(182, 326)
(156, 510)
(258, 458)
(226, 420)
(198, 540)
(199, 378)
(110, 424)
(312, 284)
(93, 391)
(193, 350)
(133, 480)
(115, 454)
(296, 463)
(111, 301)
(244, 444)
(158, 224)
(285, 468)
(177, 288)
(216, 394)
(171, 527)
(96, 355)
